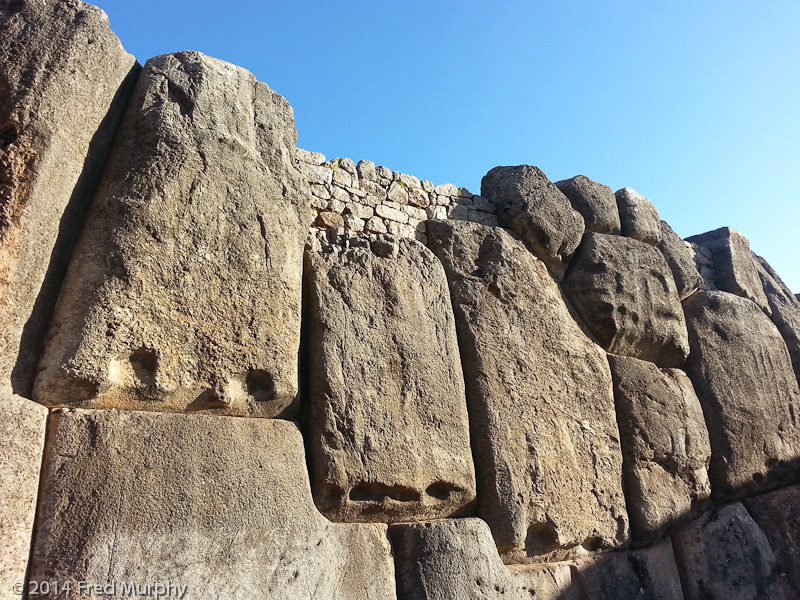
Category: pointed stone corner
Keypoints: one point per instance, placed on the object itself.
(457, 558)
(221, 505)
(22, 428)
(544, 433)
(184, 290)
(54, 136)
(388, 424)
(742, 374)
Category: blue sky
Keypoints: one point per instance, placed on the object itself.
(696, 105)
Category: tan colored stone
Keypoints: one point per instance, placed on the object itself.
(680, 259)
(330, 220)
(221, 505)
(64, 83)
(397, 193)
(595, 202)
(184, 290)
(638, 217)
(544, 434)
(389, 432)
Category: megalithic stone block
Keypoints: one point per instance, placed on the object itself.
(665, 447)
(595, 202)
(544, 433)
(680, 259)
(22, 427)
(456, 558)
(638, 217)
(184, 290)
(64, 83)
(221, 505)
(388, 415)
(626, 294)
(743, 377)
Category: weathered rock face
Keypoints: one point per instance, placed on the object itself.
(785, 309)
(22, 425)
(531, 206)
(645, 574)
(777, 514)
(184, 289)
(741, 372)
(664, 445)
(388, 416)
(457, 559)
(218, 504)
(64, 83)
(539, 391)
(680, 259)
(595, 202)
(723, 555)
(734, 268)
(638, 217)
(625, 293)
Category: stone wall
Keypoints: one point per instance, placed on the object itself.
(268, 374)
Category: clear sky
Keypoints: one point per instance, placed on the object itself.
(695, 104)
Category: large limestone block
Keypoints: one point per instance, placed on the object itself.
(665, 446)
(388, 416)
(64, 83)
(22, 426)
(723, 555)
(778, 516)
(680, 259)
(595, 202)
(184, 290)
(734, 268)
(642, 574)
(638, 216)
(741, 372)
(456, 560)
(534, 208)
(544, 434)
(625, 293)
(221, 505)
(785, 309)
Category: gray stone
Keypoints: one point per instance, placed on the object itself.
(312, 158)
(446, 189)
(723, 555)
(734, 268)
(317, 174)
(359, 210)
(393, 214)
(348, 165)
(184, 289)
(544, 434)
(680, 259)
(436, 212)
(388, 424)
(366, 170)
(625, 293)
(221, 505)
(665, 447)
(376, 225)
(397, 193)
(643, 574)
(595, 202)
(743, 377)
(343, 178)
(483, 204)
(407, 180)
(483, 218)
(22, 425)
(638, 217)
(456, 558)
(459, 212)
(64, 83)
(383, 172)
(464, 193)
(531, 206)
(418, 197)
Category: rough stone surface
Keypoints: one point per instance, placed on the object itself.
(665, 447)
(444, 560)
(734, 268)
(184, 290)
(544, 435)
(389, 431)
(723, 555)
(22, 425)
(534, 208)
(638, 216)
(64, 83)
(743, 377)
(680, 259)
(595, 202)
(219, 504)
(777, 514)
(785, 309)
(625, 293)
(643, 574)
